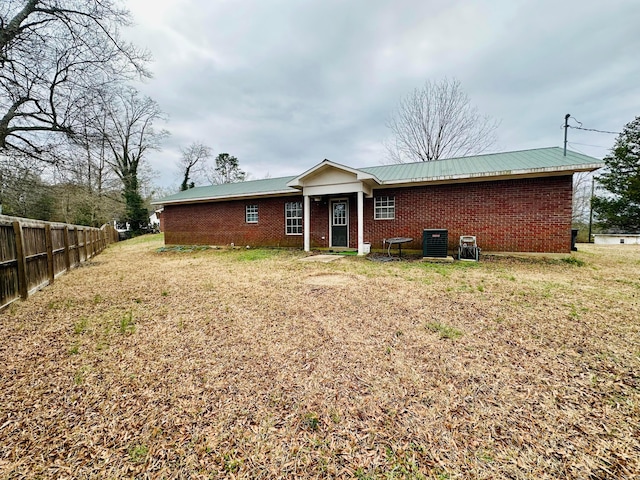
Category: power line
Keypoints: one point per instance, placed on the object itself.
(575, 149)
(575, 120)
(566, 127)
(589, 129)
(594, 130)
(588, 145)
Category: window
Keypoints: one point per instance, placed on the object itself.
(252, 213)
(293, 218)
(385, 208)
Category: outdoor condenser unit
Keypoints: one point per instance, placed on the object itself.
(434, 243)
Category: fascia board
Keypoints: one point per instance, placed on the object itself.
(503, 174)
(222, 198)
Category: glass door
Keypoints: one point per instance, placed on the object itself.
(339, 223)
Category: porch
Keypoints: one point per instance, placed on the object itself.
(341, 189)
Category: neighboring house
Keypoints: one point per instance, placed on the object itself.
(616, 238)
(154, 225)
(513, 201)
(155, 220)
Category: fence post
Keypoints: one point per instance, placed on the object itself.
(22, 261)
(49, 241)
(67, 257)
(84, 243)
(86, 249)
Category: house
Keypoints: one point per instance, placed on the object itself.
(616, 238)
(514, 201)
(155, 220)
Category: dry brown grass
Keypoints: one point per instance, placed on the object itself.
(250, 364)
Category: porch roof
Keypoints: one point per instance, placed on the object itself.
(360, 174)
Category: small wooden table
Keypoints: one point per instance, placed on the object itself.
(397, 241)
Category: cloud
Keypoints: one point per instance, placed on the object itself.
(284, 84)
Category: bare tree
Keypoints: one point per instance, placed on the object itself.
(438, 121)
(53, 55)
(130, 134)
(89, 190)
(24, 193)
(192, 163)
(582, 192)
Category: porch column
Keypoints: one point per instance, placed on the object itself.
(306, 221)
(361, 223)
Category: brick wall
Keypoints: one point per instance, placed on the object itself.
(223, 223)
(530, 215)
(321, 219)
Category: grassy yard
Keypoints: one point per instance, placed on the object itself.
(251, 364)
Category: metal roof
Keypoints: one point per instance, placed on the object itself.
(521, 162)
(252, 188)
(540, 161)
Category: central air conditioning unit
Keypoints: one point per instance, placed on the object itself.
(434, 243)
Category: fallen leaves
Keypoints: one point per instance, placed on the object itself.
(195, 363)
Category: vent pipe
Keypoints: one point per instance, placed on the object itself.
(566, 127)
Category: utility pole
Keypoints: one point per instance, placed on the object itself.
(593, 182)
(566, 127)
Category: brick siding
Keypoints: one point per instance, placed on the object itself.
(223, 223)
(531, 215)
(528, 215)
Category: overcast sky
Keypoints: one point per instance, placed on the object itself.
(284, 84)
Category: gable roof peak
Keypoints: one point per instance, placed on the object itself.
(361, 175)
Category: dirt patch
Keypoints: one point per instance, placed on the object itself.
(321, 258)
(329, 279)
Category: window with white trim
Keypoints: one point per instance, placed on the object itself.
(293, 218)
(384, 208)
(251, 214)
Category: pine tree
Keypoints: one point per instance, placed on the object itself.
(621, 209)
(227, 170)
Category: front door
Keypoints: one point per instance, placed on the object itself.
(339, 223)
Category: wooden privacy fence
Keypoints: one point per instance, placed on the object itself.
(34, 253)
